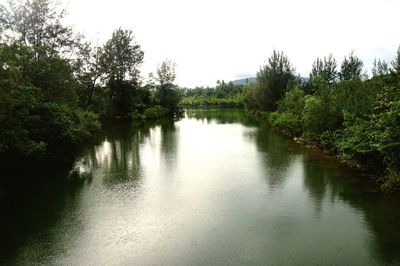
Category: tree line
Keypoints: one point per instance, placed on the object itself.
(222, 95)
(56, 88)
(339, 109)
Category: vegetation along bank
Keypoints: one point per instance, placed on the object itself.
(339, 109)
(57, 89)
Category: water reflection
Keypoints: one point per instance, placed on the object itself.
(169, 145)
(327, 182)
(221, 116)
(36, 204)
(214, 188)
(315, 182)
(276, 154)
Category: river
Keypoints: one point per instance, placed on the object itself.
(213, 188)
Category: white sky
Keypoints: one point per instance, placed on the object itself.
(221, 39)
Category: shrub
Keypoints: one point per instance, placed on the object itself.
(287, 122)
(391, 182)
(155, 112)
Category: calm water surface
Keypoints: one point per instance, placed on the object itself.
(213, 188)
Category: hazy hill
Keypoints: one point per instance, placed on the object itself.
(254, 79)
(244, 81)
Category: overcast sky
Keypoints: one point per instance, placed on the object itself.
(221, 39)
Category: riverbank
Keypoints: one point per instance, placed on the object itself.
(391, 188)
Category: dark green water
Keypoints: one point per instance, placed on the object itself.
(213, 188)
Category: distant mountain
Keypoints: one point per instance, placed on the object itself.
(303, 79)
(254, 80)
(244, 81)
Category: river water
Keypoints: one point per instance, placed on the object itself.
(213, 188)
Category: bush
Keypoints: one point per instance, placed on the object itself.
(88, 121)
(293, 102)
(169, 98)
(314, 116)
(328, 140)
(391, 182)
(37, 129)
(287, 122)
(354, 96)
(155, 112)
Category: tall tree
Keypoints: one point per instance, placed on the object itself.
(119, 62)
(38, 23)
(87, 72)
(121, 57)
(166, 73)
(167, 93)
(381, 67)
(351, 67)
(326, 69)
(273, 80)
(396, 61)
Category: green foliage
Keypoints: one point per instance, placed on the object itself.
(87, 71)
(373, 142)
(293, 101)
(155, 112)
(167, 94)
(354, 96)
(320, 114)
(38, 23)
(18, 121)
(120, 57)
(325, 69)
(273, 80)
(288, 122)
(169, 98)
(87, 121)
(230, 101)
(290, 112)
(357, 120)
(391, 182)
(35, 128)
(54, 88)
(119, 60)
(358, 145)
(396, 62)
(222, 95)
(166, 73)
(39, 115)
(49, 72)
(315, 116)
(351, 68)
(381, 68)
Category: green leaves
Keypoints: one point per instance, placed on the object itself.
(351, 68)
(119, 61)
(37, 105)
(359, 120)
(38, 23)
(325, 69)
(273, 80)
(120, 57)
(166, 73)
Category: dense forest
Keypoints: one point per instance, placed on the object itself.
(339, 109)
(56, 88)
